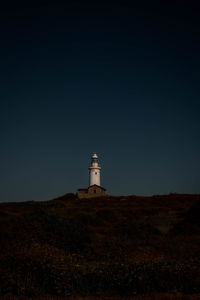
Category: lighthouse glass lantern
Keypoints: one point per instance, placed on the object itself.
(94, 171)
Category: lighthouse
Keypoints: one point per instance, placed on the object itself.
(95, 189)
(94, 171)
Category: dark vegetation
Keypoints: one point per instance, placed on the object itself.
(104, 247)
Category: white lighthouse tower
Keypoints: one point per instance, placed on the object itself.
(94, 189)
(94, 170)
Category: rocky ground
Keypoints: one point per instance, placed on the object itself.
(128, 247)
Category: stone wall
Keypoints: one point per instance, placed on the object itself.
(92, 191)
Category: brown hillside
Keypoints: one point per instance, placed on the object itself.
(109, 246)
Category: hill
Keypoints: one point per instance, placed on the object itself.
(105, 247)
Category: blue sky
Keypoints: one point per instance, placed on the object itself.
(120, 80)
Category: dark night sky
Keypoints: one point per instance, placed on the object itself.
(116, 78)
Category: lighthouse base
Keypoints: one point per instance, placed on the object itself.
(92, 191)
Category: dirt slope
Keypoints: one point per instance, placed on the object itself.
(110, 246)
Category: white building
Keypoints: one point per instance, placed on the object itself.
(94, 171)
(95, 189)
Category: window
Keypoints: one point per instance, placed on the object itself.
(95, 160)
(95, 191)
(95, 173)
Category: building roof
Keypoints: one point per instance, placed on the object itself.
(95, 185)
